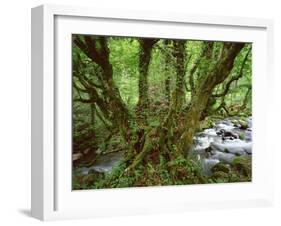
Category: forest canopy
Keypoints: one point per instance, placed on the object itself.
(141, 104)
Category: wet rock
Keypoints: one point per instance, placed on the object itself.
(227, 134)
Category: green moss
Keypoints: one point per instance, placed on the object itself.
(221, 167)
(242, 136)
(243, 124)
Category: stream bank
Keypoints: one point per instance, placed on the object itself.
(220, 144)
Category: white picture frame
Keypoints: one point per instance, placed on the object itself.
(52, 197)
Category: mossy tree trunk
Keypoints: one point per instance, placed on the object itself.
(199, 102)
(179, 53)
(96, 49)
(146, 46)
(167, 56)
(157, 139)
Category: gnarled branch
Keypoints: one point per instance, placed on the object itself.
(234, 78)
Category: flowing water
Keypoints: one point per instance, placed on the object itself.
(212, 147)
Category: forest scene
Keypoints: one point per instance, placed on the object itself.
(156, 112)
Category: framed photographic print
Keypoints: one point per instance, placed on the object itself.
(138, 112)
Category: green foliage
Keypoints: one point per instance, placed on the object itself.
(124, 59)
(107, 116)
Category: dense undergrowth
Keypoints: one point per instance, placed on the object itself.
(177, 172)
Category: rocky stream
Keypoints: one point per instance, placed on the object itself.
(225, 140)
